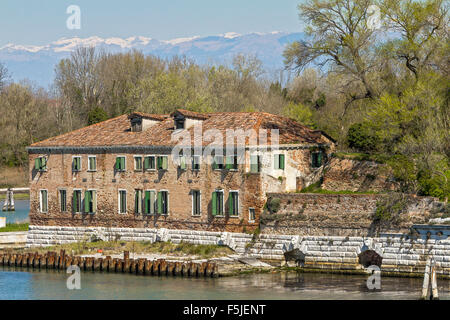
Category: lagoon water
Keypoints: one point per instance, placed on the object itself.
(18, 216)
(49, 284)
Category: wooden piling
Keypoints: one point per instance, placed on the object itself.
(426, 280)
(148, 267)
(434, 288)
(140, 266)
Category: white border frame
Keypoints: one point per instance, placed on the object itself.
(238, 204)
(251, 220)
(118, 201)
(120, 156)
(223, 204)
(59, 199)
(81, 204)
(89, 169)
(192, 203)
(143, 160)
(40, 200)
(81, 163)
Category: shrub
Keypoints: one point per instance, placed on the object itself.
(274, 205)
(361, 137)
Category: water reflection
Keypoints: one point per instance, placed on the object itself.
(46, 284)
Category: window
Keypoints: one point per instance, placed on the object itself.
(163, 202)
(63, 200)
(138, 163)
(40, 164)
(76, 201)
(179, 123)
(279, 161)
(43, 201)
(136, 125)
(196, 202)
(182, 162)
(251, 215)
(90, 201)
(217, 203)
(316, 159)
(92, 163)
(255, 166)
(76, 164)
(162, 163)
(231, 162)
(149, 163)
(122, 201)
(138, 201)
(233, 203)
(149, 202)
(217, 163)
(120, 163)
(196, 163)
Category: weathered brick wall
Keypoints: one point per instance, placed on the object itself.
(354, 175)
(338, 214)
(107, 182)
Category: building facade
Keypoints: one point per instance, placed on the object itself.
(123, 173)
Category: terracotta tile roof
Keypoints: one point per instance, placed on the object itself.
(117, 131)
(159, 117)
(191, 114)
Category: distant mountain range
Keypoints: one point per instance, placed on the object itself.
(37, 62)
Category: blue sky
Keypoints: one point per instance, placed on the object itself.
(37, 22)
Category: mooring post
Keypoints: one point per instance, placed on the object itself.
(434, 288)
(426, 280)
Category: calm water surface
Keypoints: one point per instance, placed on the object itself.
(21, 213)
(47, 284)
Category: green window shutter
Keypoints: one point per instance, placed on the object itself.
(282, 161)
(43, 163)
(215, 166)
(117, 163)
(94, 201)
(319, 159)
(146, 163)
(136, 202)
(276, 161)
(183, 163)
(158, 163)
(214, 203)
(152, 202)
(254, 164)
(74, 201)
(37, 164)
(230, 204)
(229, 162)
(147, 202)
(164, 163)
(87, 201)
(160, 203)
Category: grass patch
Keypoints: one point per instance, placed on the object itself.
(15, 227)
(141, 247)
(316, 188)
(379, 158)
(17, 196)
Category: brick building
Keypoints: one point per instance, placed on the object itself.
(121, 172)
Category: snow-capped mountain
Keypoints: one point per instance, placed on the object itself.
(37, 62)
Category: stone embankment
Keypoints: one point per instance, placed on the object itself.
(399, 254)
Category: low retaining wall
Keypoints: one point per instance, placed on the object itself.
(320, 252)
(13, 239)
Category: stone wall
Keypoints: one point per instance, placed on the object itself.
(400, 254)
(354, 175)
(338, 214)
